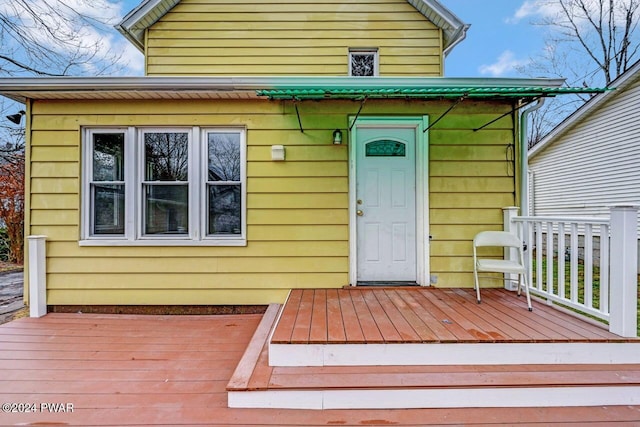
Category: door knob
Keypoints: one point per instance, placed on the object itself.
(359, 212)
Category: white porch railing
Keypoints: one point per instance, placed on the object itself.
(586, 264)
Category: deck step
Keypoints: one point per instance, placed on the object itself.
(456, 354)
(256, 384)
(427, 326)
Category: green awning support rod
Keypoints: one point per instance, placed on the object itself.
(505, 114)
(295, 104)
(358, 113)
(458, 101)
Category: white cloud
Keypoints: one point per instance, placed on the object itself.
(535, 8)
(505, 64)
(551, 9)
(91, 36)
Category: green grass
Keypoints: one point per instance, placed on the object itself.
(567, 282)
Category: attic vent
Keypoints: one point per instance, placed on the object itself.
(363, 62)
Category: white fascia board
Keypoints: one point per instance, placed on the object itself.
(149, 12)
(587, 108)
(142, 17)
(455, 30)
(20, 89)
(255, 83)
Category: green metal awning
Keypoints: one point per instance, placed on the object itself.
(424, 92)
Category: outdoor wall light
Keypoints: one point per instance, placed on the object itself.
(337, 136)
(16, 118)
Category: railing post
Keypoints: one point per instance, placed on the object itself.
(508, 213)
(623, 319)
(37, 276)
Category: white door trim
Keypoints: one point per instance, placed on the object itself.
(420, 123)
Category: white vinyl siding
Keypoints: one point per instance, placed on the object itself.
(593, 165)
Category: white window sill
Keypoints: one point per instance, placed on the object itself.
(163, 242)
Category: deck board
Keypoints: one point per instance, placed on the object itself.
(302, 326)
(288, 318)
(436, 309)
(422, 315)
(352, 329)
(318, 332)
(411, 312)
(367, 322)
(335, 325)
(386, 327)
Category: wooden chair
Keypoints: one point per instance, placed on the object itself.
(502, 239)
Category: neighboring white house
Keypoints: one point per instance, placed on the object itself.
(591, 160)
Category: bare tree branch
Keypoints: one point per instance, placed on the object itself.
(588, 42)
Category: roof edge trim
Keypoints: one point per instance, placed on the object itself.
(130, 27)
(147, 13)
(21, 89)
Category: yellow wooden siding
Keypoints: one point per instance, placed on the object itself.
(297, 210)
(472, 178)
(217, 37)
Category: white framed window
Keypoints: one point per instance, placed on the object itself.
(165, 181)
(363, 62)
(104, 186)
(164, 186)
(225, 175)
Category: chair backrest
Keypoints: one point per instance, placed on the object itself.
(497, 238)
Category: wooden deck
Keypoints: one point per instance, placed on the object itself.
(173, 370)
(122, 370)
(425, 315)
(427, 326)
(426, 371)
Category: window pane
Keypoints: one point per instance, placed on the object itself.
(385, 148)
(166, 156)
(166, 209)
(225, 204)
(108, 209)
(108, 157)
(224, 156)
(363, 64)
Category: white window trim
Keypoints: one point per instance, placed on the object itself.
(134, 168)
(87, 178)
(361, 51)
(223, 239)
(140, 180)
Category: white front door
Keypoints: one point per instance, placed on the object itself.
(386, 204)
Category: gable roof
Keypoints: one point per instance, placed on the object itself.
(134, 24)
(588, 108)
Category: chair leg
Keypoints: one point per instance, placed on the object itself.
(477, 285)
(523, 280)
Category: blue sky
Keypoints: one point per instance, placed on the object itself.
(501, 36)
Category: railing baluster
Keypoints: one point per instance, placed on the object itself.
(561, 249)
(588, 265)
(528, 228)
(574, 261)
(550, 258)
(604, 268)
(538, 236)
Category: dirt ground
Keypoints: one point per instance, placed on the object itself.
(8, 266)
